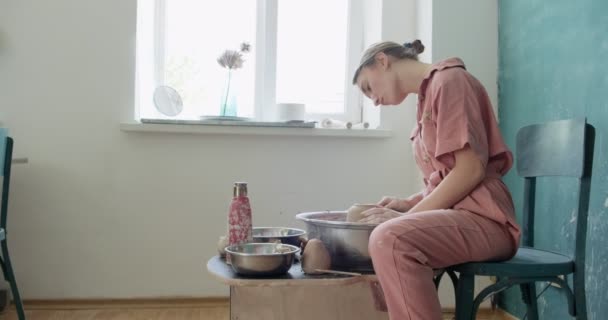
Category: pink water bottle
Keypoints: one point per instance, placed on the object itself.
(239, 217)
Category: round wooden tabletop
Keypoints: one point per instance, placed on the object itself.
(294, 277)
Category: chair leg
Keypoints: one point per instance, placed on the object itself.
(3, 269)
(580, 300)
(454, 279)
(437, 279)
(10, 277)
(528, 294)
(464, 297)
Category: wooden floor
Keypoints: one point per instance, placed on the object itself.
(126, 314)
(217, 310)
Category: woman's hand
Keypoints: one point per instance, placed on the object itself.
(397, 204)
(379, 215)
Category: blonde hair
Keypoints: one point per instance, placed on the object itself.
(408, 50)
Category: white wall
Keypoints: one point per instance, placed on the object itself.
(469, 29)
(424, 27)
(103, 213)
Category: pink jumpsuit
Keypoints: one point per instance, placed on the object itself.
(453, 111)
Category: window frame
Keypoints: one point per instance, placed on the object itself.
(266, 57)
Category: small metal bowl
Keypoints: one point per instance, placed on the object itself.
(284, 235)
(261, 259)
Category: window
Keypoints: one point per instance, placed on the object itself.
(300, 51)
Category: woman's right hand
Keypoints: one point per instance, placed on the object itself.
(397, 204)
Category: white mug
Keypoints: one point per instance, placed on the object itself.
(291, 111)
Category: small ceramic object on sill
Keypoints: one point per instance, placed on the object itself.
(362, 125)
(328, 123)
(338, 124)
(289, 112)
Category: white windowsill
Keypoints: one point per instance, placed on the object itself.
(265, 131)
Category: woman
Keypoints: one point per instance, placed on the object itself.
(465, 212)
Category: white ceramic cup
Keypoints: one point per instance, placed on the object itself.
(291, 111)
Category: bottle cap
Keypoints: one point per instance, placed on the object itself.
(240, 189)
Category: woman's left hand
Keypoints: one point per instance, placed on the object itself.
(379, 215)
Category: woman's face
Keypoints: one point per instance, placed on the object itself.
(379, 83)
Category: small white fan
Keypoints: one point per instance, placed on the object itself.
(168, 101)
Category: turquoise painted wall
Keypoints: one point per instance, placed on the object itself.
(553, 64)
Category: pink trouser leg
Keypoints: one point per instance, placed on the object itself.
(405, 251)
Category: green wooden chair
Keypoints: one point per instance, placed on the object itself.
(559, 148)
(6, 157)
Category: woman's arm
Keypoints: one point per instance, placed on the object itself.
(467, 173)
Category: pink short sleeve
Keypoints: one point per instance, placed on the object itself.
(459, 115)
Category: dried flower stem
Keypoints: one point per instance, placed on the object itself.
(227, 92)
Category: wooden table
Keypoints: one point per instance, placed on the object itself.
(298, 296)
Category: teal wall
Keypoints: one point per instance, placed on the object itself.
(553, 64)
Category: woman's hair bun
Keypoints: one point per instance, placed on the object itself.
(415, 46)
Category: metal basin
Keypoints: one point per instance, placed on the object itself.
(261, 259)
(346, 241)
(290, 236)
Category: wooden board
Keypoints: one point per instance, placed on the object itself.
(344, 302)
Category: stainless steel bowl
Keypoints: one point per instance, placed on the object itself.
(346, 241)
(261, 259)
(290, 236)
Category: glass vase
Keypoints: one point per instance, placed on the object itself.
(228, 103)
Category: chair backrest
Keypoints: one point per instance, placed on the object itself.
(3, 142)
(557, 148)
(6, 157)
(554, 148)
